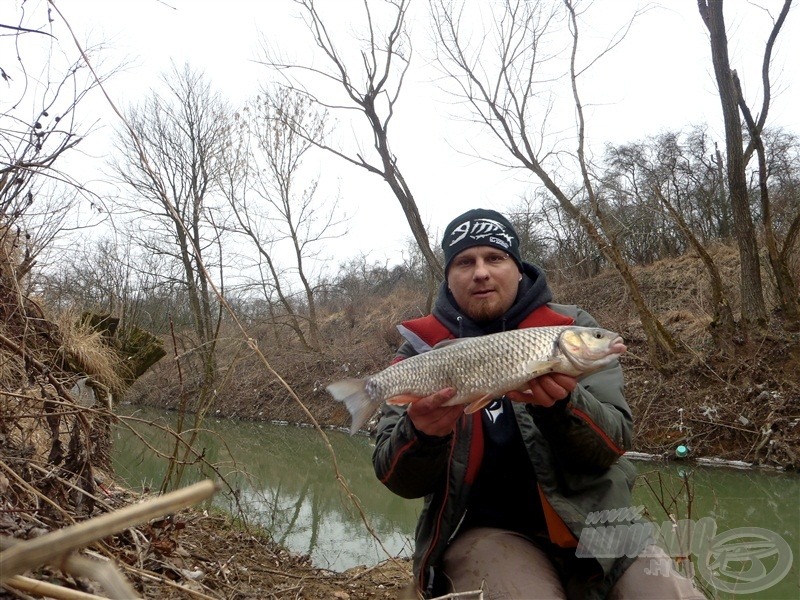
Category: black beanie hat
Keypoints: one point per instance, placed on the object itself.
(480, 227)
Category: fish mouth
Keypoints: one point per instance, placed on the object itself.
(617, 346)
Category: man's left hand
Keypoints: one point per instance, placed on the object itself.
(545, 390)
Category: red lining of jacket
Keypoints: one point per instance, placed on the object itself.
(438, 526)
(397, 456)
(475, 456)
(432, 331)
(597, 429)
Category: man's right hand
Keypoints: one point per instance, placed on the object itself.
(431, 418)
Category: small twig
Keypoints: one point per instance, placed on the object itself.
(478, 594)
(723, 425)
(66, 483)
(33, 491)
(189, 449)
(365, 571)
(766, 434)
(145, 574)
(278, 572)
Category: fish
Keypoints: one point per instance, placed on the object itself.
(480, 369)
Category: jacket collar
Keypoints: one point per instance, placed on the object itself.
(533, 292)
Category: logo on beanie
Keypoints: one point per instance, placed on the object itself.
(487, 230)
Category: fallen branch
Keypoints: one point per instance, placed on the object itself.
(33, 553)
(49, 590)
(100, 570)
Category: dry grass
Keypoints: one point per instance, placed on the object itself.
(50, 447)
(86, 351)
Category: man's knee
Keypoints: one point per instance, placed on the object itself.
(501, 563)
(653, 575)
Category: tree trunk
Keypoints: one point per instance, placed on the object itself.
(723, 323)
(140, 349)
(753, 306)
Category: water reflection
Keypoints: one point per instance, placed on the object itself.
(766, 502)
(285, 481)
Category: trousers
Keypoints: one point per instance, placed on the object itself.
(505, 565)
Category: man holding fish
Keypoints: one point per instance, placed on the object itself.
(506, 412)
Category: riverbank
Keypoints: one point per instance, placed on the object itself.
(202, 554)
(306, 510)
(736, 401)
(738, 404)
(740, 408)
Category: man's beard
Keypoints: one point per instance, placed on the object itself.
(484, 312)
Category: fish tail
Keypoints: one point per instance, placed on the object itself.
(353, 392)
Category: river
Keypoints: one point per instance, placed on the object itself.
(285, 482)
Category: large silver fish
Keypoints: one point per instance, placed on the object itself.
(480, 368)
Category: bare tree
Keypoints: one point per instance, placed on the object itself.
(39, 124)
(551, 238)
(778, 258)
(171, 160)
(275, 207)
(372, 84)
(661, 172)
(783, 165)
(502, 88)
(753, 306)
(526, 219)
(112, 276)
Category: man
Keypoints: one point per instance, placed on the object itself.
(508, 489)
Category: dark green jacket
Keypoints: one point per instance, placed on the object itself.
(574, 447)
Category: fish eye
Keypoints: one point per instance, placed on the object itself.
(597, 334)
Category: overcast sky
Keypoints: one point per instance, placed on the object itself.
(659, 78)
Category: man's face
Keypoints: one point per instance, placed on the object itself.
(483, 281)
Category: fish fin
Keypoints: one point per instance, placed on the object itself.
(353, 392)
(402, 399)
(535, 368)
(448, 342)
(479, 403)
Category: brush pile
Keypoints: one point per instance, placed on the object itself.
(57, 381)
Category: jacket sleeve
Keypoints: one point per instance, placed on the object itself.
(593, 427)
(408, 462)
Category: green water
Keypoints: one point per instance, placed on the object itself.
(284, 480)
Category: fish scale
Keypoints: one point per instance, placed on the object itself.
(481, 368)
(472, 366)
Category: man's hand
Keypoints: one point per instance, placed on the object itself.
(545, 390)
(431, 418)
